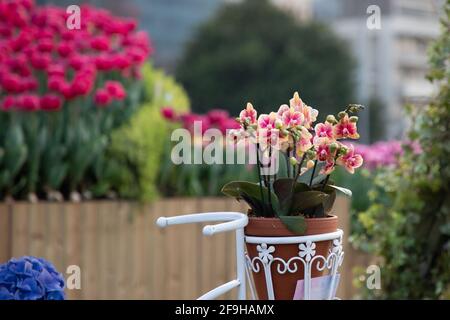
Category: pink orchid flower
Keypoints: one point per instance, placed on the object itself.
(323, 148)
(309, 114)
(248, 114)
(350, 161)
(267, 128)
(346, 129)
(328, 168)
(292, 118)
(304, 143)
(283, 108)
(324, 130)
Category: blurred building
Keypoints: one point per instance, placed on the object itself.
(392, 60)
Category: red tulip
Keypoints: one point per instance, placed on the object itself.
(168, 113)
(115, 89)
(50, 102)
(8, 103)
(102, 97)
(29, 102)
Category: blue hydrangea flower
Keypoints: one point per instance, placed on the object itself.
(30, 278)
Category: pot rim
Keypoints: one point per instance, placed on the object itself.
(274, 227)
(328, 217)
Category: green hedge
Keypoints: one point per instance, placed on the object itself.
(138, 146)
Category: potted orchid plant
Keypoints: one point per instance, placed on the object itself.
(286, 206)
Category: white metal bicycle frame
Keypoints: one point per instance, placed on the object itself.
(235, 221)
(266, 246)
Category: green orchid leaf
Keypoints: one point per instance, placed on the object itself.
(236, 189)
(306, 200)
(284, 189)
(329, 202)
(296, 224)
(345, 191)
(300, 187)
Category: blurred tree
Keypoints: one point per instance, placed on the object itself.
(377, 127)
(252, 51)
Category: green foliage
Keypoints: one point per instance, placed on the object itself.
(252, 50)
(408, 222)
(137, 147)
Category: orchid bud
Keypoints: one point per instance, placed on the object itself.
(278, 124)
(285, 132)
(333, 147)
(343, 151)
(331, 119)
(310, 154)
(342, 114)
(238, 119)
(293, 161)
(353, 119)
(310, 164)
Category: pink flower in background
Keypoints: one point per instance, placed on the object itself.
(100, 43)
(227, 124)
(168, 113)
(29, 102)
(102, 97)
(216, 116)
(116, 90)
(8, 103)
(50, 102)
(383, 153)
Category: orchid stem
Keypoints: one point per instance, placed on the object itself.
(313, 172)
(259, 175)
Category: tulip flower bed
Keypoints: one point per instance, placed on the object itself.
(62, 92)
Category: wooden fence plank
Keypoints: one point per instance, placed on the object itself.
(5, 232)
(90, 283)
(21, 230)
(73, 242)
(158, 268)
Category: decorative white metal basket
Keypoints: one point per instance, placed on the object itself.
(266, 261)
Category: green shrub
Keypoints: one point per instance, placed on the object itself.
(137, 147)
(408, 222)
(254, 51)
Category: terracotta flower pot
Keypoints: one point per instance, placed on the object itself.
(284, 284)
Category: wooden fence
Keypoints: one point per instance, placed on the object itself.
(123, 255)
